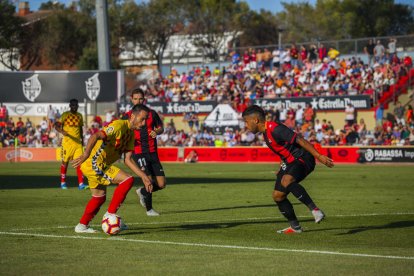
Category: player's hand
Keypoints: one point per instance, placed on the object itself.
(147, 183)
(153, 134)
(78, 161)
(326, 160)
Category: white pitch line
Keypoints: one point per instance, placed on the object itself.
(213, 245)
(221, 220)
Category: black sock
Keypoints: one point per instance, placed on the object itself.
(147, 198)
(300, 193)
(286, 208)
(155, 187)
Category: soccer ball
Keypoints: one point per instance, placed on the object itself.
(111, 224)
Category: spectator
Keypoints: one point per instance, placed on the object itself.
(369, 50)
(51, 117)
(44, 125)
(3, 113)
(379, 52)
(299, 116)
(309, 114)
(350, 114)
(192, 157)
(392, 49)
(399, 114)
(379, 114)
(410, 115)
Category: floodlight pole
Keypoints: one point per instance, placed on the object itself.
(102, 34)
(102, 31)
(280, 31)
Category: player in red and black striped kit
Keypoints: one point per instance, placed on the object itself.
(145, 152)
(298, 161)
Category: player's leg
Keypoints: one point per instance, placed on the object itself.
(145, 198)
(285, 207)
(290, 181)
(92, 208)
(156, 173)
(63, 170)
(78, 152)
(125, 183)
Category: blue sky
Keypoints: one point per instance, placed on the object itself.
(272, 5)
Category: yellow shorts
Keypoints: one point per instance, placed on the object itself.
(71, 151)
(97, 176)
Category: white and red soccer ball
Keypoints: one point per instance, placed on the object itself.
(111, 224)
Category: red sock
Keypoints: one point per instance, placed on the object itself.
(92, 208)
(63, 170)
(120, 194)
(80, 175)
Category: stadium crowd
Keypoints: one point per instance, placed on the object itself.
(397, 130)
(290, 72)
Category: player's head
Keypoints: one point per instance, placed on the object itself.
(253, 116)
(73, 105)
(139, 113)
(137, 96)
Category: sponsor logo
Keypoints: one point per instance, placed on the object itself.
(32, 87)
(343, 152)
(320, 103)
(190, 107)
(369, 155)
(383, 154)
(110, 129)
(20, 109)
(20, 153)
(93, 87)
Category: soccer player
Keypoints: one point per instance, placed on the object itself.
(70, 126)
(103, 149)
(145, 152)
(298, 161)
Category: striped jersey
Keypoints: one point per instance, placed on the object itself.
(144, 143)
(282, 141)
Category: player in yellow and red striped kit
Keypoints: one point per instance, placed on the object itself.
(70, 126)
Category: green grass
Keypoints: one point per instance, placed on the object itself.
(370, 211)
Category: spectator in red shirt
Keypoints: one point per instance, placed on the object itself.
(246, 58)
(3, 113)
(322, 51)
(19, 123)
(408, 61)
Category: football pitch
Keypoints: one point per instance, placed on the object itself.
(216, 219)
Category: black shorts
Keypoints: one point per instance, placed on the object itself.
(299, 169)
(150, 163)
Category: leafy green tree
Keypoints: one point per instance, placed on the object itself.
(11, 35)
(212, 22)
(339, 19)
(150, 25)
(258, 29)
(52, 5)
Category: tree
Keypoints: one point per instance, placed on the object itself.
(151, 25)
(11, 35)
(214, 22)
(258, 29)
(339, 19)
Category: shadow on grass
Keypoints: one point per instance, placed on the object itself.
(226, 208)
(34, 182)
(205, 226)
(392, 225)
(359, 229)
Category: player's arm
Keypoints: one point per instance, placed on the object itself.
(311, 149)
(133, 166)
(159, 127)
(59, 128)
(100, 135)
